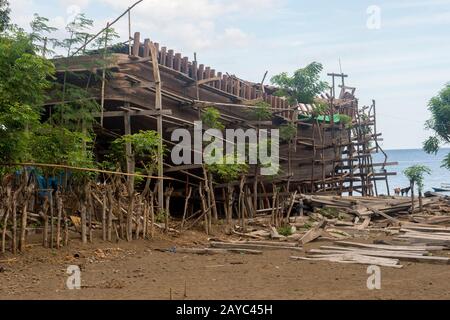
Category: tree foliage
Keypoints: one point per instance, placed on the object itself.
(78, 33)
(439, 106)
(211, 117)
(40, 31)
(4, 15)
(261, 111)
(58, 145)
(229, 170)
(144, 147)
(415, 175)
(24, 79)
(303, 86)
(288, 131)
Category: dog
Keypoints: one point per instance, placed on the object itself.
(403, 192)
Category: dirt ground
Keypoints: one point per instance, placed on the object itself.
(137, 271)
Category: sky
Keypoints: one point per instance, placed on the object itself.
(394, 51)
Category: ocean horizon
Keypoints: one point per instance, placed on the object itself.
(410, 157)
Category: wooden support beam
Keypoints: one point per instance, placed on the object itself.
(132, 113)
(201, 72)
(204, 81)
(158, 106)
(183, 168)
(146, 48)
(169, 61)
(177, 62)
(129, 152)
(136, 44)
(163, 57)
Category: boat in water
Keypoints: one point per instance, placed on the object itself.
(445, 187)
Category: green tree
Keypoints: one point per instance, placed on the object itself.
(24, 80)
(211, 117)
(144, 148)
(78, 33)
(415, 175)
(261, 111)
(439, 106)
(40, 30)
(303, 86)
(4, 15)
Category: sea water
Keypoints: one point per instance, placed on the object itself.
(410, 157)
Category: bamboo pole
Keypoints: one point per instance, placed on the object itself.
(66, 226)
(186, 204)
(110, 213)
(146, 217)
(83, 222)
(101, 31)
(14, 223)
(129, 31)
(167, 194)
(118, 173)
(138, 216)
(102, 104)
(104, 231)
(5, 220)
(152, 215)
(59, 203)
(46, 207)
(90, 214)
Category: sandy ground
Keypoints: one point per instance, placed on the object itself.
(137, 271)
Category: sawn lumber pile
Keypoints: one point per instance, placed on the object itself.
(368, 206)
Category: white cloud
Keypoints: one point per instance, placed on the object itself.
(408, 4)
(192, 24)
(441, 18)
(235, 36)
(79, 3)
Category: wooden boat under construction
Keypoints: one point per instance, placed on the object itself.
(326, 155)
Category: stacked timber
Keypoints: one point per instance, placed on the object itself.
(373, 254)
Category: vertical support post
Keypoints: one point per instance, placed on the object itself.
(158, 106)
(136, 44)
(104, 74)
(130, 169)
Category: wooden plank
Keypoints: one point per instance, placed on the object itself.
(112, 114)
(224, 245)
(268, 243)
(210, 251)
(183, 168)
(352, 259)
(393, 254)
(390, 247)
(430, 229)
(205, 81)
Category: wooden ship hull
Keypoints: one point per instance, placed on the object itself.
(324, 157)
